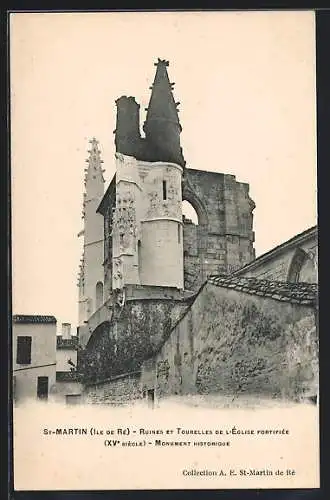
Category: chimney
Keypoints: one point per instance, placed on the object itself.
(66, 330)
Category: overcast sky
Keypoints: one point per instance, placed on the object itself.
(246, 84)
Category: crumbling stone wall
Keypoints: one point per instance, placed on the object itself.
(231, 342)
(223, 239)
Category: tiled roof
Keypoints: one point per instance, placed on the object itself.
(32, 318)
(299, 293)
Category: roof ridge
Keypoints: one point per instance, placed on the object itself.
(278, 248)
(300, 292)
(34, 318)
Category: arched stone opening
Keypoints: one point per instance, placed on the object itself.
(90, 359)
(189, 197)
(298, 260)
(303, 267)
(191, 225)
(189, 213)
(98, 336)
(195, 224)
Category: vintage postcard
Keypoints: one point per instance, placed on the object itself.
(164, 250)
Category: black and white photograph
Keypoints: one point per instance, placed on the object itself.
(164, 250)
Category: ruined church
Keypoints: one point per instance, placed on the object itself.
(167, 306)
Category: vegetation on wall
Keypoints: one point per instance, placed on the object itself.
(248, 348)
(133, 335)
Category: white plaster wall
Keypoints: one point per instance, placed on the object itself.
(62, 357)
(27, 380)
(43, 358)
(64, 389)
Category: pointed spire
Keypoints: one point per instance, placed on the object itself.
(94, 160)
(162, 125)
(162, 105)
(94, 152)
(94, 180)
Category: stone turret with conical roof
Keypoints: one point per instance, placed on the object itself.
(146, 209)
(162, 126)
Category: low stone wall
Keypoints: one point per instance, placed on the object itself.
(118, 391)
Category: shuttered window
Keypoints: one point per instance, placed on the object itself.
(23, 356)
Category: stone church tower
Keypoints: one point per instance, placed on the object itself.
(142, 208)
(90, 281)
(143, 261)
(137, 244)
(147, 240)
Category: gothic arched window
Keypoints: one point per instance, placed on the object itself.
(297, 263)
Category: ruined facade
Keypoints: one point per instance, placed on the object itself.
(142, 208)
(152, 263)
(223, 239)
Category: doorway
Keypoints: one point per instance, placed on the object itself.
(151, 398)
(42, 388)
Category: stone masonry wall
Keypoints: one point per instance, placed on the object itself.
(231, 342)
(119, 391)
(223, 239)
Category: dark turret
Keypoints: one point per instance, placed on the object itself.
(162, 127)
(127, 133)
